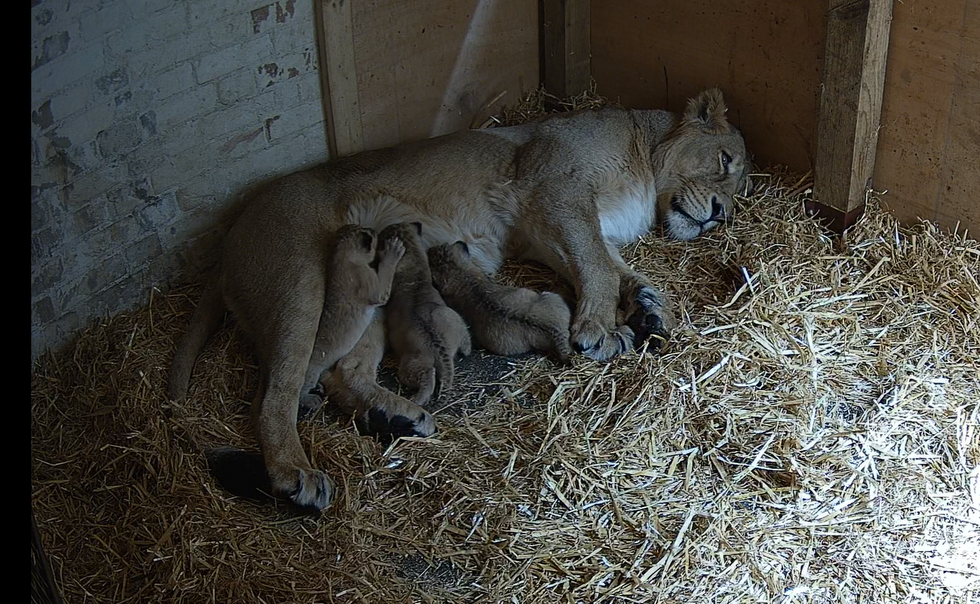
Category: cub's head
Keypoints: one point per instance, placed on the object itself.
(700, 165)
(409, 232)
(355, 243)
(448, 260)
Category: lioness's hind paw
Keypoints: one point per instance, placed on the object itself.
(314, 490)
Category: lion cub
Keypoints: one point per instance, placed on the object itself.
(424, 333)
(506, 320)
(377, 411)
(354, 290)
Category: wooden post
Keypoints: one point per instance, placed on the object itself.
(338, 77)
(567, 57)
(850, 107)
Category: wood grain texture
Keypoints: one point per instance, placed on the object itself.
(567, 55)
(338, 76)
(429, 67)
(850, 102)
(929, 144)
(766, 55)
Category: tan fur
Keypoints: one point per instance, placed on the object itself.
(425, 334)
(354, 290)
(565, 191)
(506, 320)
(353, 386)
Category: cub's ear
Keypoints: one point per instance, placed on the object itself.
(463, 248)
(365, 239)
(707, 112)
(418, 227)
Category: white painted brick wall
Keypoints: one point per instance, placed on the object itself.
(149, 119)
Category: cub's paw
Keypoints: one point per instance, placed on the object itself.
(309, 404)
(311, 489)
(392, 249)
(651, 319)
(387, 426)
(590, 339)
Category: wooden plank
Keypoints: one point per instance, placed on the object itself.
(567, 39)
(956, 194)
(766, 55)
(850, 101)
(430, 67)
(338, 77)
(930, 137)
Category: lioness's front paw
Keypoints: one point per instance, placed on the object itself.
(589, 338)
(311, 489)
(651, 318)
(386, 426)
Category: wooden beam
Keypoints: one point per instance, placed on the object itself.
(338, 77)
(850, 103)
(567, 39)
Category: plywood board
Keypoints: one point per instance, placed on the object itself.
(766, 55)
(429, 67)
(929, 144)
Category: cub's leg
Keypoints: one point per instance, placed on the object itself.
(418, 373)
(391, 252)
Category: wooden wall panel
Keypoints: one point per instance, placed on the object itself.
(766, 55)
(929, 144)
(427, 67)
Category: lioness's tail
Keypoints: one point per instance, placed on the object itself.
(207, 316)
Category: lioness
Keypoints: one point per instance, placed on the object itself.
(506, 320)
(566, 191)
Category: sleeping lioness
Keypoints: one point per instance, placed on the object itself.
(565, 191)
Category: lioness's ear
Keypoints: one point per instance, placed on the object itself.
(707, 112)
(462, 247)
(418, 227)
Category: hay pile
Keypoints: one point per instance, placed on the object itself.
(811, 434)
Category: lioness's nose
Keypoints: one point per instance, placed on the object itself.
(717, 210)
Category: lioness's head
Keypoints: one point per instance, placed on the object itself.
(701, 164)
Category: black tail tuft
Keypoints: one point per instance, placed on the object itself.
(241, 473)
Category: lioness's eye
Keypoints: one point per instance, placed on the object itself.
(725, 160)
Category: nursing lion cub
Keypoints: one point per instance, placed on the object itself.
(566, 191)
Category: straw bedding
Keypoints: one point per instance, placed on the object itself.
(810, 434)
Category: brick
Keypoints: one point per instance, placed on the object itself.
(112, 82)
(184, 107)
(72, 99)
(214, 65)
(95, 25)
(90, 216)
(118, 139)
(50, 49)
(298, 119)
(164, 26)
(43, 243)
(159, 211)
(45, 276)
(172, 81)
(143, 250)
(58, 75)
(237, 87)
(86, 125)
(42, 311)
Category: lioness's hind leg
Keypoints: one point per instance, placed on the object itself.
(392, 416)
